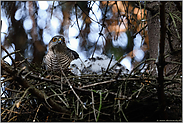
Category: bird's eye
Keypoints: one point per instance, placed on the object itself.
(54, 39)
(60, 39)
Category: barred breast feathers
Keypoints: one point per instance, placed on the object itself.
(56, 61)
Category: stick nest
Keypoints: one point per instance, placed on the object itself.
(31, 94)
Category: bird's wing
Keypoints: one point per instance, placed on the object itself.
(73, 53)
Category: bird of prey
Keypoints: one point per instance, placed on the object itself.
(59, 56)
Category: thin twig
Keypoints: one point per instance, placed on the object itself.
(100, 106)
(140, 91)
(129, 79)
(93, 106)
(175, 26)
(64, 96)
(103, 24)
(71, 86)
(45, 98)
(176, 72)
(77, 19)
(55, 94)
(95, 45)
(13, 90)
(12, 118)
(21, 70)
(109, 64)
(93, 19)
(37, 112)
(151, 59)
(8, 111)
(119, 60)
(124, 115)
(174, 62)
(77, 107)
(73, 90)
(134, 35)
(7, 79)
(13, 105)
(52, 9)
(119, 14)
(9, 56)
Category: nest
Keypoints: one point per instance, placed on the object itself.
(31, 94)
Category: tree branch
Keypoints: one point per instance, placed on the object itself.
(161, 63)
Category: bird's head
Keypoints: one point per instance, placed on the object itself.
(57, 43)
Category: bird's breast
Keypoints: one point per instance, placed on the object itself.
(56, 61)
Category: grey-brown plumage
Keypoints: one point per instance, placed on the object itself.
(59, 56)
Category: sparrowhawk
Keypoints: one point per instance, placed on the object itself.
(59, 55)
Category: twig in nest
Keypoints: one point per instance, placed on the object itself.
(9, 56)
(174, 62)
(37, 112)
(109, 64)
(151, 59)
(8, 111)
(15, 104)
(30, 72)
(176, 72)
(12, 118)
(73, 90)
(63, 96)
(11, 110)
(21, 62)
(120, 70)
(123, 97)
(45, 98)
(100, 106)
(20, 71)
(8, 89)
(71, 87)
(109, 81)
(56, 81)
(118, 61)
(93, 106)
(77, 107)
(20, 100)
(140, 91)
(66, 104)
(7, 79)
